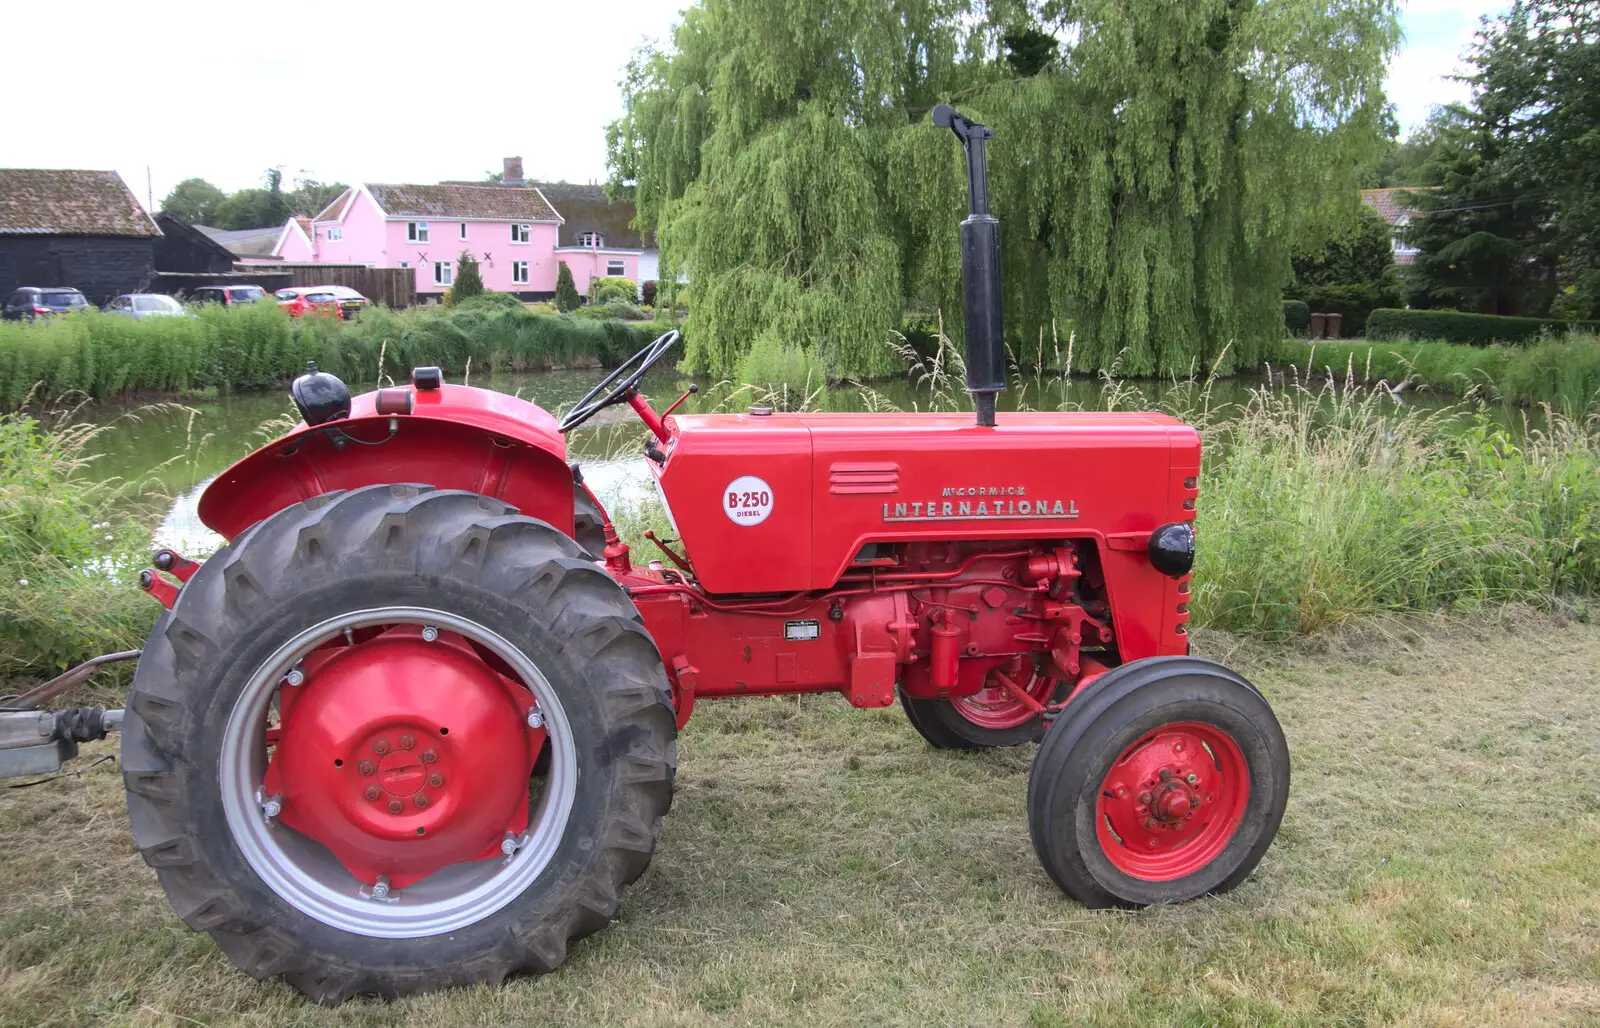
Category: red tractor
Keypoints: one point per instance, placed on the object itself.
(414, 725)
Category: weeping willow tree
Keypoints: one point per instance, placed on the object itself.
(1154, 167)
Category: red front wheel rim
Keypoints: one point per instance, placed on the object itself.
(1172, 801)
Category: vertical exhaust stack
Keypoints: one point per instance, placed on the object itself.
(980, 268)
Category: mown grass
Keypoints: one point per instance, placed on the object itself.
(1559, 371)
(258, 346)
(1439, 865)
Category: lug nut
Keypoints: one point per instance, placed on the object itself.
(420, 799)
(1166, 775)
(430, 634)
(407, 741)
(508, 845)
(1177, 747)
(429, 756)
(381, 747)
(272, 807)
(366, 767)
(373, 792)
(395, 806)
(1145, 798)
(1191, 778)
(296, 676)
(380, 888)
(436, 779)
(535, 719)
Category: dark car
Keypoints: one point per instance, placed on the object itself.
(31, 302)
(228, 295)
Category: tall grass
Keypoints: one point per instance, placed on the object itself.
(258, 346)
(68, 553)
(1562, 371)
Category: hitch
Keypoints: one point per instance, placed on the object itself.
(36, 742)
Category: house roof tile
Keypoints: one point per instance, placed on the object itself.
(586, 209)
(1391, 204)
(69, 202)
(448, 200)
(335, 209)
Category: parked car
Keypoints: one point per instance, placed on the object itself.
(228, 295)
(300, 302)
(145, 305)
(348, 299)
(32, 302)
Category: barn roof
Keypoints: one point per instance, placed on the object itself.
(586, 209)
(69, 202)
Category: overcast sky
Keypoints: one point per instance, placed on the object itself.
(400, 91)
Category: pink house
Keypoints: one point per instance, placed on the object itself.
(513, 229)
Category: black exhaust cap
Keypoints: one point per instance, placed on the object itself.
(980, 269)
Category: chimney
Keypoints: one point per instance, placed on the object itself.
(512, 175)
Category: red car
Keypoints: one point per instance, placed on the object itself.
(300, 302)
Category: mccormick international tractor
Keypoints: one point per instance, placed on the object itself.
(414, 725)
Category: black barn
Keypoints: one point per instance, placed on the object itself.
(73, 228)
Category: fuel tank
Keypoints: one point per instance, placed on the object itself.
(787, 502)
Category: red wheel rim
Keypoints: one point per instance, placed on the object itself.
(994, 708)
(1171, 802)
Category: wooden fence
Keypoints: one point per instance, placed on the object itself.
(392, 287)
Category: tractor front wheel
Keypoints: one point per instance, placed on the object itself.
(396, 739)
(1163, 781)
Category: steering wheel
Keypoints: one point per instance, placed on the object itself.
(617, 385)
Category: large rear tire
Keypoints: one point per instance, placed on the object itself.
(1163, 781)
(508, 598)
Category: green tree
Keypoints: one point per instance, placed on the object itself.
(468, 281)
(1352, 275)
(1415, 162)
(309, 196)
(193, 201)
(1153, 170)
(567, 298)
(255, 208)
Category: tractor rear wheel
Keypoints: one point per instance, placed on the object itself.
(1163, 781)
(988, 719)
(397, 739)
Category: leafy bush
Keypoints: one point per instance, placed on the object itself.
(62, 541)
(567, 298)
(468, 281)
(489, 298)
(790, 373)
(1562, 372)
(608, 294)
(648, 291)
(1460, 327)
(257, 346)
(629, 287)
(1296, 317)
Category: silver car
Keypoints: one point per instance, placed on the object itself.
(145, 305)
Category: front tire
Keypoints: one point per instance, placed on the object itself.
(989, 719)
(1164, 781)
(511, 602)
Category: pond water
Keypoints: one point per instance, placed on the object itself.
(166, 454)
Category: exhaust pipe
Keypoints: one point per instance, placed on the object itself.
(980, 268)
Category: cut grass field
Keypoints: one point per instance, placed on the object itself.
(1439, 865)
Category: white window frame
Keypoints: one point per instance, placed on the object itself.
(619, 264)
(519, 273)
(335, 234)
(463, 230)
(416, 231)
(444, 273)
(521, 233)
(593, 240)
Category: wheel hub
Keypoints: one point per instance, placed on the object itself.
(1172, 800)
(404, 754)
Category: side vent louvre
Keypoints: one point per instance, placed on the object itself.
(852, 479)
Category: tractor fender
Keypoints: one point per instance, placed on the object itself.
(454, 437)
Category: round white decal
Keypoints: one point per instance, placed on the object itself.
(747, 500)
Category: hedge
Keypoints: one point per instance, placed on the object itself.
(1461, 327)
(1296, 317)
